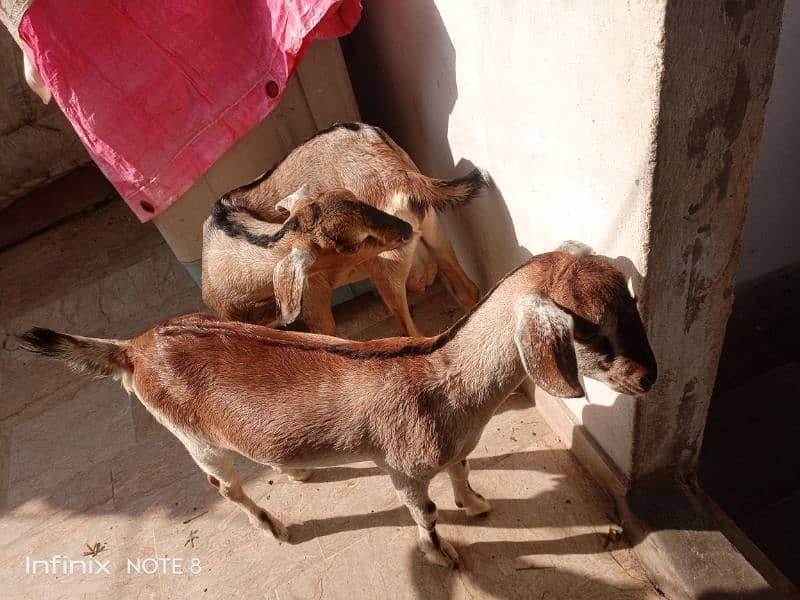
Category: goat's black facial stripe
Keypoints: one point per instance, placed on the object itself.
(430, 507)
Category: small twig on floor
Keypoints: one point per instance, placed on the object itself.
(190, 519)
(94, 550)
(532, 568)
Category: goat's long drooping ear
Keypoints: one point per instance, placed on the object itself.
(544, 340)
(288, 203)
(289, 279)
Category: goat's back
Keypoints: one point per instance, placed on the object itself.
(277, 397)
(355, 156)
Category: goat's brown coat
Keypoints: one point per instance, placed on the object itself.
(415, 406)
(237, 279)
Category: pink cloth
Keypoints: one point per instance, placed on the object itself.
(159, 89)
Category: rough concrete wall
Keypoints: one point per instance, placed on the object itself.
(558, 101)
(37, 142)
(771, 238)
(718, 65)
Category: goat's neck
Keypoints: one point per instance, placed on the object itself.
(481, 361)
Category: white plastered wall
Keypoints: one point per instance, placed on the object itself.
(561, 113)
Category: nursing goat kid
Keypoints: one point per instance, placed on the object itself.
(238, 280)
(414, 406)
(271, 261)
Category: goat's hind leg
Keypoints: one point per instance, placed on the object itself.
(414, 494)
(218, 466)
(461, 286)
(389, 272)
(471, 501)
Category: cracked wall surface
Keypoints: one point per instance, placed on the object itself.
(715, 85)
(770, 240)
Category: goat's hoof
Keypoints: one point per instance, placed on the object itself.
(476, 506)
(270, 524)
(475, 511)
(301, 475)
(298, 474)
(280, 532)
(444, 555)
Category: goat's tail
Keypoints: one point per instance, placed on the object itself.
(441, 194)
(93, 356)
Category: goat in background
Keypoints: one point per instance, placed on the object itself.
(271, 261)
(237, 278)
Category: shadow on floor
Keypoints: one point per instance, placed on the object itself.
(750, 461)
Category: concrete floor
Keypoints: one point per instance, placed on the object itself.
(82, 464)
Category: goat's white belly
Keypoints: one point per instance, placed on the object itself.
(320, 460)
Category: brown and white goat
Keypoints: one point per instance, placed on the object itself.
(268, 269)
(357, 157)
(413, 406)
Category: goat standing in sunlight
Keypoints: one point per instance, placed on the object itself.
(237, 268)
(414, 406)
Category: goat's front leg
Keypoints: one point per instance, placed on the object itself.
(461, 286)
(471, 501)
(316, 311)
(414, 494)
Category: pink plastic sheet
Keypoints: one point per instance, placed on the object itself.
(160, 89)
